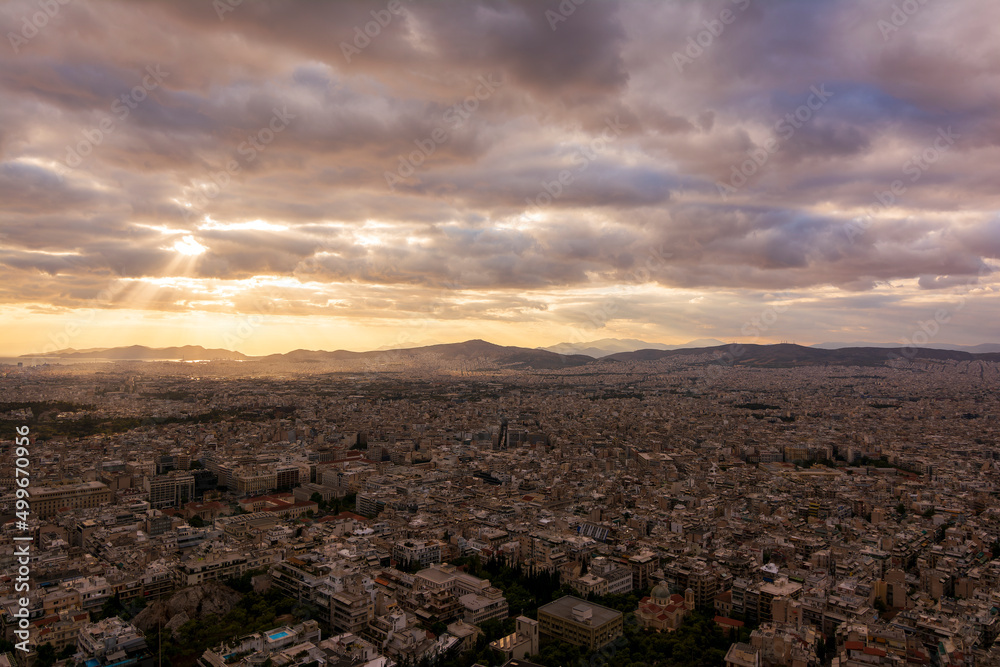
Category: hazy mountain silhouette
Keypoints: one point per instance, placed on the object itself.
(605, 346)
(186, 352)
(480, 354)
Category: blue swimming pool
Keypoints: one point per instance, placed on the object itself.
(278, 635)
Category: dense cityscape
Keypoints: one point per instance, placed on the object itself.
(647, 512)
(499, 333)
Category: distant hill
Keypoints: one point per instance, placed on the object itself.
(605, 346)
(314, 355)
(185, 352)
(786, 354)
(984, 348)
(481, 355)
(402, 346)
(476, 352)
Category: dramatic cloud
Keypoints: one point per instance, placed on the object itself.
(505, 169)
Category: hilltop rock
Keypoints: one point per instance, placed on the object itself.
(196, 602)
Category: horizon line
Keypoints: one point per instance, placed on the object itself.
(470, 340)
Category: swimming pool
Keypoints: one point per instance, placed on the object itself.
(278, 635)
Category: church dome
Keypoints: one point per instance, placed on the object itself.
(660, 592)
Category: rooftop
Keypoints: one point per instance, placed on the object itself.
(564, 606)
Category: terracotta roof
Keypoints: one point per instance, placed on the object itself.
(732, 622)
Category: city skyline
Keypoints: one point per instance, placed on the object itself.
(265, 177)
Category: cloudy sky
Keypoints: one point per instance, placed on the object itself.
(267, 176)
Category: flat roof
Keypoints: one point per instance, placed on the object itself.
(69, 487)
(563, 608)
(435, 575)
(475, 602)
(780, 587)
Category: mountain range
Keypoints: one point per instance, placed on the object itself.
(471, 351)
(975, 349)
(788, 354)
(605, 346)
(480, 354)
(136, 352)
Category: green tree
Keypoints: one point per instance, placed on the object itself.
(350, 502)
(409, 566)
(46, 655)
(112, 607)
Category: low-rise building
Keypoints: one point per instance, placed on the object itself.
(48, 501)
(573, 620)
(520, 643)
(479, 608)
(112, 641)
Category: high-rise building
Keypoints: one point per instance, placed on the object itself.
(172, 490)
(502, 441)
